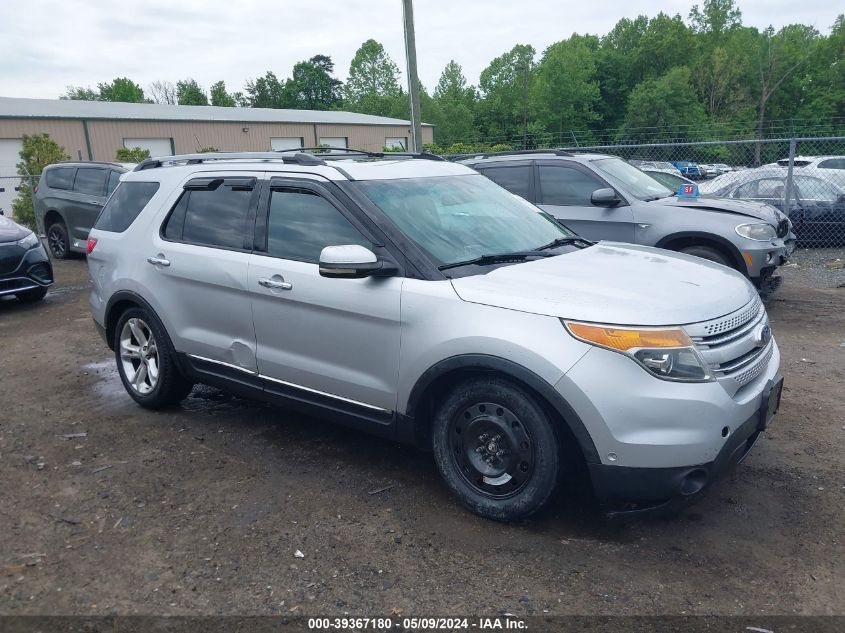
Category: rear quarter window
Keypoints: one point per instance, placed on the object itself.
(124, 205)
(516, 179)
(61, 177)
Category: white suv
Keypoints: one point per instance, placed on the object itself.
(418, 300)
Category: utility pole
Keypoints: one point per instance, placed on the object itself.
(413, 80)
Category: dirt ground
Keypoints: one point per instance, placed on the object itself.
(110, 509)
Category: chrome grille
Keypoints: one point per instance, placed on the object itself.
(735, 346)
(735, 320)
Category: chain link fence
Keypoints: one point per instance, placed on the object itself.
(14, 184)
(803, 177)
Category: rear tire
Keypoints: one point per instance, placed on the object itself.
(496, 449)
(58, 240)
(31, 296)
(709, 253)
(146, 361)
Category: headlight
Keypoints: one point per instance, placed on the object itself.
(666, 353)
(759, 232)
(30, 241)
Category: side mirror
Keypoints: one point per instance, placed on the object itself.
(605, 198)
(352, 261)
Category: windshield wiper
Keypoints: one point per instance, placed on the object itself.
(565, 241)
(497, 258)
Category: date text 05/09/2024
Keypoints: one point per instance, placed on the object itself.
(417, 624)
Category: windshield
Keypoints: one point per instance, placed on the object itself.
(630, 179)
(459, 218)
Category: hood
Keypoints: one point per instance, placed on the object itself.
(748, 208)
(11, 231)
(622, 284)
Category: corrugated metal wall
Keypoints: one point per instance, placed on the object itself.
(188, 136)
(68, 134)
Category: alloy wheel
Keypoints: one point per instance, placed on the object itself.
(139, 356)
(56, 240)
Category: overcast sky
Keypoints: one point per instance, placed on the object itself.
(46, 45)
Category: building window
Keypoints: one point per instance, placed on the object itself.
(334, 141)
(396, 142)
(279, 143)
(156, 146)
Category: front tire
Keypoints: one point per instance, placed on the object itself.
(708, 253)
(58, 241)
(146, 361)
(496, 449)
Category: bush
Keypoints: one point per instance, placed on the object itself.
(132, 155)
(37, 151)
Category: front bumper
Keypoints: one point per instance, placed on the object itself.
(763, 258)
(660, 441)
(24, 270)
(627, 492)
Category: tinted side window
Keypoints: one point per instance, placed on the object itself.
(60, 177)
(125, 205)
(90, 180)
(114, 178)
(213, 217)
(566, 186)
(301, 224)
(833, 163)
(515, 179)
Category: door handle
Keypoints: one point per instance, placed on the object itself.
(277, 282)
(158, 260)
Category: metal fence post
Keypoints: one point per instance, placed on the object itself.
(787, 194)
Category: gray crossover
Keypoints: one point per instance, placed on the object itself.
(605, 198)
(415, 299)
(68, 200)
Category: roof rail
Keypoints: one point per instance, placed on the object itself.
(517, 152)
(327, 152)
(197, 159)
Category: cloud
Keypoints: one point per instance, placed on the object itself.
(53, 44)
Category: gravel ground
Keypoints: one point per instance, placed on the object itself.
(816, 268)
(111, 509)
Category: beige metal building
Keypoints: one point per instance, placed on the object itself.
(94, 130)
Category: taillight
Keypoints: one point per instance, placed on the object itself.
(89, 247)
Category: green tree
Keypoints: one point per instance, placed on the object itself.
(189, 92)
(219, 96)
(78, 93)
(566, 91)
(131, 154)
(824, 81)
(267, 92)
(669, 102)
(615, 68)
(312, 85)
(37, 151)
(505, 109)
(715, 17)
(665, 43)
(373, 82)
(778, 56)
(121, 89)
(452, 110)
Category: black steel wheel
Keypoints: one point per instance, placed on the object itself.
(492, 449)
(496, 448)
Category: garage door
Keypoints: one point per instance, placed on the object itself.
(157, 146)
(333, 141)
(10, 156)
(278, 143)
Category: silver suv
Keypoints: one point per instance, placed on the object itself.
(603, 197)
(417, 300)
